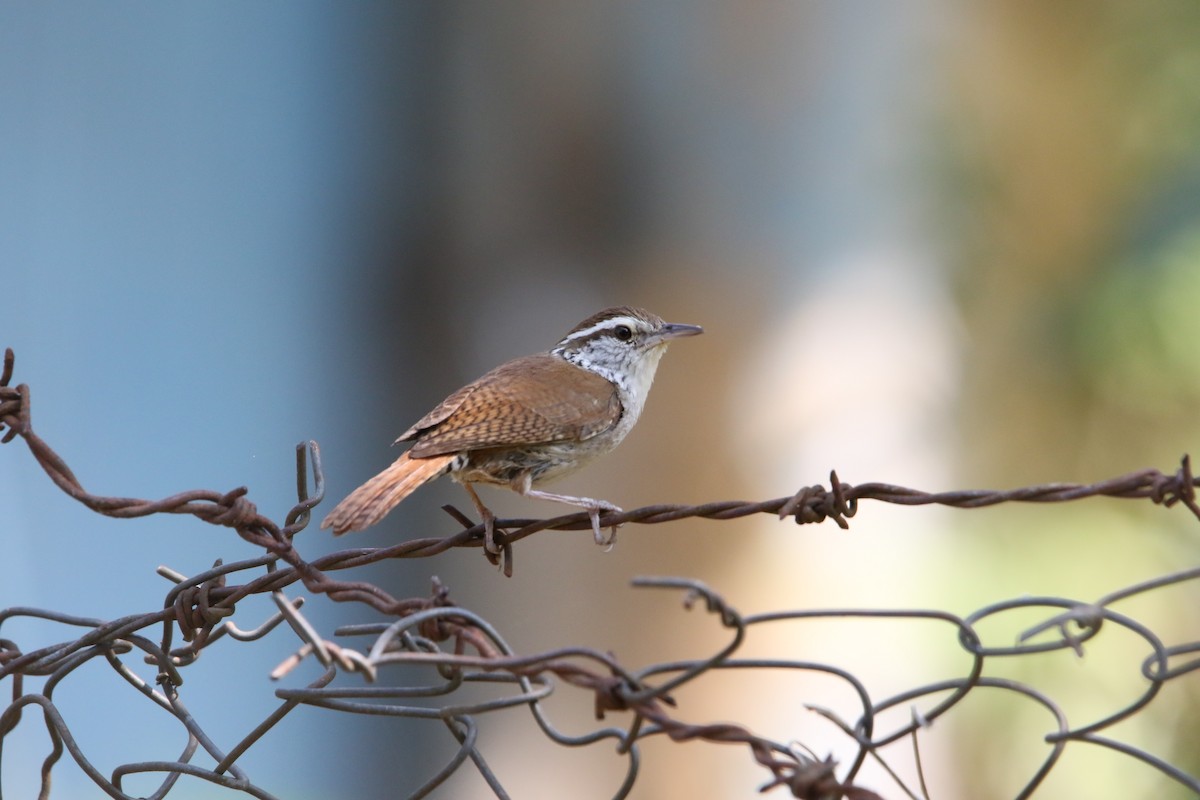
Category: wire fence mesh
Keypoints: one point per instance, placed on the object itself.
(465, 648)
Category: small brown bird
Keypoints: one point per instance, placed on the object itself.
(529, 420)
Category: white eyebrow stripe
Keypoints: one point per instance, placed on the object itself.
(608, 324)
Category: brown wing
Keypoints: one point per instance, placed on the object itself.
(531, 400)
(443, 410)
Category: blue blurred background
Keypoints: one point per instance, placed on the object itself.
(935, 244)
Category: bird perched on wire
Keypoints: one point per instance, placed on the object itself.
(528, 421)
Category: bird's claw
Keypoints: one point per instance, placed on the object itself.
(594, 515)
(489, 532)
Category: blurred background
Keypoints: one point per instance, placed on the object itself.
(936, 244)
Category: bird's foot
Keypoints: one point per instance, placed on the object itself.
(594, 515)
(489, 531)
(593, 508)
(489, 524)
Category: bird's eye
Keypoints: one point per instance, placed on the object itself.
(623, 333)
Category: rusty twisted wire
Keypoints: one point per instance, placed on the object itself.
(466, 648)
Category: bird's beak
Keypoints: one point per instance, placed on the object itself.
(676, 330)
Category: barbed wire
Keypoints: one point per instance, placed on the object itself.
(465, 648)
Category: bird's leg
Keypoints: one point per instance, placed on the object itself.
(593, 507)
(489, 521)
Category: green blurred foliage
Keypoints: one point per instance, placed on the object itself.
(1069, 163)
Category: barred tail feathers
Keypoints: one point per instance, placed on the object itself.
(371, 502)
